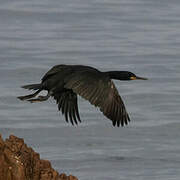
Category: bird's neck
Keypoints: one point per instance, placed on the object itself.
(118, 75)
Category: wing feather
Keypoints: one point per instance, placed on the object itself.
(70, 115)
(74, 115)
(100, 91)
(67, 104)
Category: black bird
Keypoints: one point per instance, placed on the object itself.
(65, 82)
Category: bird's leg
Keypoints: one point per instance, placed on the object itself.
(40, 98)
(29, 96)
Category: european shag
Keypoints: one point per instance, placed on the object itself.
(65, 82)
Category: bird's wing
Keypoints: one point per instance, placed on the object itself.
(114, 108)
(100, 91)
(67, 104)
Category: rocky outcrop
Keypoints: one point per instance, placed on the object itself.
(20, 162)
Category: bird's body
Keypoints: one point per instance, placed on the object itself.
(65, 82)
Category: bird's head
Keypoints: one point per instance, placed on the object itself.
(132, 76)
(124, 75)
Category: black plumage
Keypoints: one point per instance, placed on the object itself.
(65, 82)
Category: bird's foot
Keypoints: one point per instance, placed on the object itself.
(39, 99)
(28, 96)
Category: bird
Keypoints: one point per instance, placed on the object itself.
(66, 82)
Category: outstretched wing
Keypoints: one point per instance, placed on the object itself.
(67, 104)
(100, 91)
(114, 108)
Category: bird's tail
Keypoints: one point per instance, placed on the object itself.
(33, 86)
(37, 87)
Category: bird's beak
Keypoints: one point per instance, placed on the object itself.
(140, 78)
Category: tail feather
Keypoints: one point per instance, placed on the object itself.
(32, 86)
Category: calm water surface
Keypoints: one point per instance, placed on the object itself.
(136, 35)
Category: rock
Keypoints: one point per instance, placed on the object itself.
(20, 162)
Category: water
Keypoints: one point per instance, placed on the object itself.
(135, 35)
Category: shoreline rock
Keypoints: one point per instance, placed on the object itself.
(20, 162)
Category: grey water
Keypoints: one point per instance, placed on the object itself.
(135, 35)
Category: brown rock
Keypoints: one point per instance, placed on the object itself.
(19, 162)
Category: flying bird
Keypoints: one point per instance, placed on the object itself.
(65, 82)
